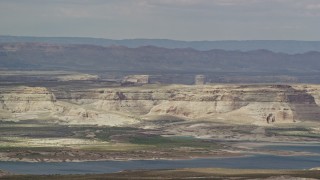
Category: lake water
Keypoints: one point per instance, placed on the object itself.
(251, 162)
(296, 148)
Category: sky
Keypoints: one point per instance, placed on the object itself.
(163, 19)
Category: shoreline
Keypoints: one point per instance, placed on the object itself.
(123, 159)
(244, 149)
(183, 173)
(11, 160)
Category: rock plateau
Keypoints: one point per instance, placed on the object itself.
(244, 104)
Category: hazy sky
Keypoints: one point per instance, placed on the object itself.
(169, 19)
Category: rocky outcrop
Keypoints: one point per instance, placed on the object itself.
(24, 103)
(23, 99)
(312, 90)
(258, 104)
(251, 103)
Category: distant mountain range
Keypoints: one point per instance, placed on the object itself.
(43, 56)
(289, 47)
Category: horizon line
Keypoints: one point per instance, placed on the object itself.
(163, 39)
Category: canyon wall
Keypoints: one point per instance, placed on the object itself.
(248, 104)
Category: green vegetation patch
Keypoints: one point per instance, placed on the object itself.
(294, 131)
(106, 133)
(172, 141)
(21, 149)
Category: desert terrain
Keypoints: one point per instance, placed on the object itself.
(79, 117)
(146, 103)
(160, 89)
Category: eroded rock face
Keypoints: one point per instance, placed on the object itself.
(251, 103)
(230, 103)
(23, 103)
(23, 99)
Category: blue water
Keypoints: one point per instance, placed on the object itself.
(252, 162)
(296, 148)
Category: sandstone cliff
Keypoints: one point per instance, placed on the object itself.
(15, 102)
(254, 104)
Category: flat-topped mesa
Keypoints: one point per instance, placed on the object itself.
(23, 99)
(135, 79)
(257, 104)
(251, 102)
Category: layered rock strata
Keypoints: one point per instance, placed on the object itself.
(258, 104)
